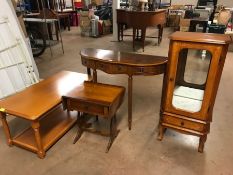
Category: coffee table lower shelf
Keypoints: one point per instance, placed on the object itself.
(52, 128)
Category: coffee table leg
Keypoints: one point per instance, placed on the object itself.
(130, 92)
(6, 128)
(36, 127)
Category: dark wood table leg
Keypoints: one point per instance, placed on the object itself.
(143, 36)
(6, 128)
(130, 92)
(160, 34)
(113, 132)
(80, 130)
(134, 35)
(122, 31)
(118, 31)
(36, 127)
(94, 76)
(88, 71)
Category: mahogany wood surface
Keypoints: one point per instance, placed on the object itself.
(185, 121)
(114, 62)
(41, 105)
(95, 99)
(201, 37)
(140, 20)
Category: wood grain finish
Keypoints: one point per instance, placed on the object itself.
(40, 104)
(140, 20)
(114, 62)
(194, 123)
(201, 37)
(43, 96)
(95, 99)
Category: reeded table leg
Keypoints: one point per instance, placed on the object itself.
(130, 92)
(6, 128)
(36, 127)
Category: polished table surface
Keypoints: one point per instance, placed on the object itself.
(39, 98)
(115, 62)
(41, 105)
(140, 20)
(95, 99)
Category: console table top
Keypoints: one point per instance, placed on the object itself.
(118, 57)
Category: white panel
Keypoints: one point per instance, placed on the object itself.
(6, 85)
(16, 61)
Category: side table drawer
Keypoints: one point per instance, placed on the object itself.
(184, 123)
(81, 106)
(147, 70)
(88, 63)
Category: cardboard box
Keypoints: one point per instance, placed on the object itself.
(99, 2)
(177, 7)
(107, 27)
(184, 29)
(185, 22)
(174, 20)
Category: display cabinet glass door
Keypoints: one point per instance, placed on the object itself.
(190, 81)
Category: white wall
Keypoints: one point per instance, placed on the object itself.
(226, 2)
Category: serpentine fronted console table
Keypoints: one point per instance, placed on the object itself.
(114, 62)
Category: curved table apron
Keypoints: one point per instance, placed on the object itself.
(113, 62)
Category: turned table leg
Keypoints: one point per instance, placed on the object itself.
(36, 127)
(6, 128)
(130, 96)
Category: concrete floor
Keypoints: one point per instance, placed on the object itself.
(133, 152)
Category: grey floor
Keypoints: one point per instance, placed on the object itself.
(133, 152)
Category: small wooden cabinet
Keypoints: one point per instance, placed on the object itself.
(191, 82)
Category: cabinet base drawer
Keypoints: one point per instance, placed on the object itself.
(183, 123)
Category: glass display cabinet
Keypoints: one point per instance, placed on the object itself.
(191, 82)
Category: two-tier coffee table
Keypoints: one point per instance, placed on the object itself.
(40, 104)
